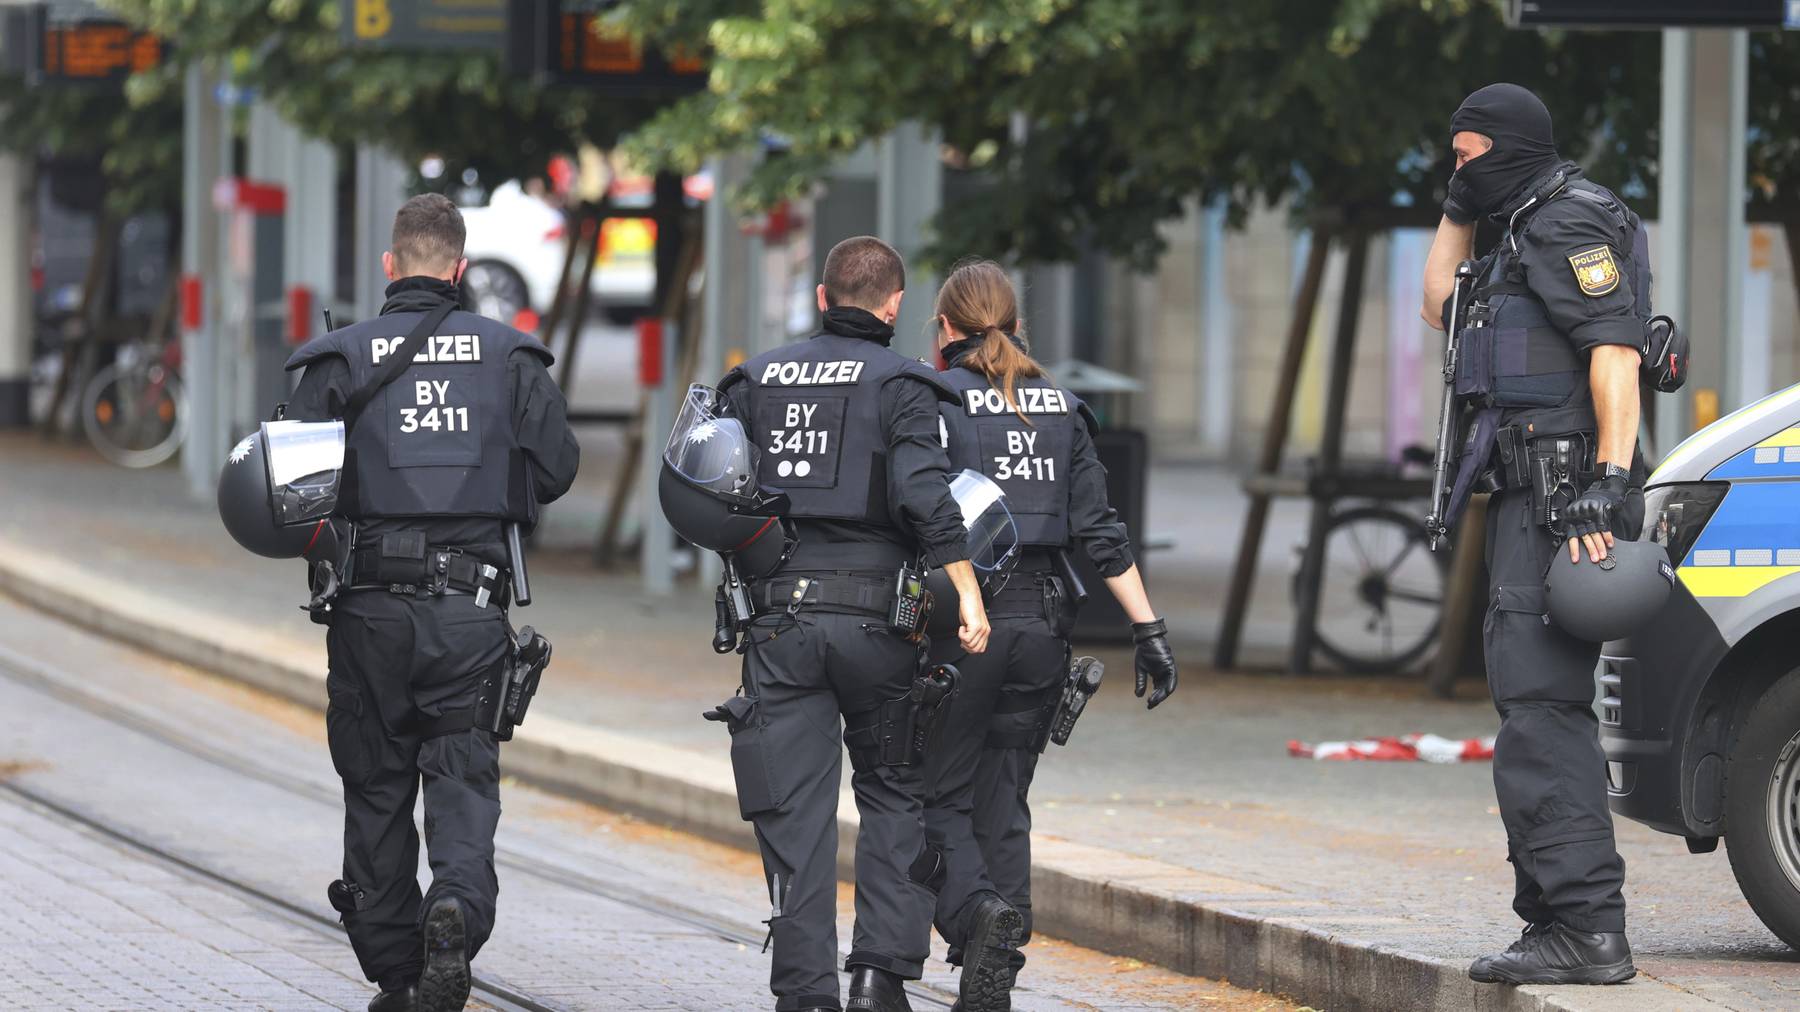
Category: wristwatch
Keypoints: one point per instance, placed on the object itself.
(1610, 470)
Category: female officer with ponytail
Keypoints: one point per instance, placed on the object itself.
(1035, 440)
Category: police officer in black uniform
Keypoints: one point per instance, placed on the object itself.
(1549, 369)
(472, 436)
(1035, 440)
(849, 430)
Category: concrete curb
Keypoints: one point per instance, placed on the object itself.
(1102, 899)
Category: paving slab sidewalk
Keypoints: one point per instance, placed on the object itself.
(1186, 837)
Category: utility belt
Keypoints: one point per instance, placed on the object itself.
(1042, 594)
(899, 597)
(1555, 468)
(402, 562)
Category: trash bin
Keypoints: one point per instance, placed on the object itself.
(1125, 452)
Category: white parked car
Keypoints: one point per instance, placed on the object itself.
(516, 246)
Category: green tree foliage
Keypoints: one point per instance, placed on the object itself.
(460, 105)
(137, 141)
(1134, 107)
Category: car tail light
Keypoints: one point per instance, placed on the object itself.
(1674, 515)
(554, 234)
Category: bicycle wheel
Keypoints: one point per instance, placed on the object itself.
(1381, 590)
(135, 417)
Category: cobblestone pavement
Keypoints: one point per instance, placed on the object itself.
(597, 911)
(1409, 856)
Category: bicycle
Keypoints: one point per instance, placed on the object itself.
(135, 409)
(1381, 589)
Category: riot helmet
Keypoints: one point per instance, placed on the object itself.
(246, 506)
(993, 545)
(1612, 598)
(306, 466)
(708, 487)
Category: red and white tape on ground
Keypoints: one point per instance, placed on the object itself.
(1406, 748)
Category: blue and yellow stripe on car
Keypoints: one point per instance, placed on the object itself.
(1753, 538)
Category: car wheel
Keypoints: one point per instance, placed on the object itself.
(1762, 808)
(495, 290)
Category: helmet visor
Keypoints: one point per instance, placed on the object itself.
(709, 451)
(306, 462)
(993, 537)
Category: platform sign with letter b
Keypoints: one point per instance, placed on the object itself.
(425, 24)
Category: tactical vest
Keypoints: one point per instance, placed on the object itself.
(815, 411)
(1520, 363)
(439, 439)
(1028, 457)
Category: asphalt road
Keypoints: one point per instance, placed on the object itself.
(167, 838)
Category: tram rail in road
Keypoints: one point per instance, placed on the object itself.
(46, 678)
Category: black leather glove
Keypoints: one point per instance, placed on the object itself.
(1597, 508)
(1155, 661)
(1459, 203)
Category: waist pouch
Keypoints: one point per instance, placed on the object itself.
(1031, 595)
(1516, 367)
(402, 563)
(851, 592)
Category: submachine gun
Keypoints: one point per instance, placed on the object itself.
(1437, 522)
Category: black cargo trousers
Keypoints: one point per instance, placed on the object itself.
(395, 659)
(802, 673)
(1549, 770)
(979, 773)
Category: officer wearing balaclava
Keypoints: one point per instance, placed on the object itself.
(1548, 371)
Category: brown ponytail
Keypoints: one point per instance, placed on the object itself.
(978, 300)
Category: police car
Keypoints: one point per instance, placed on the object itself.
(1700, 710)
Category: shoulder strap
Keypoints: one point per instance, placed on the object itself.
(402, 357)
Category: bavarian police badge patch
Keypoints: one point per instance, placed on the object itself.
(1595, 271)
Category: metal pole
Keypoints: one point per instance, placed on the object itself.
(716, 235)
(18, 320)
(1749, 353)
(658, 556)
(1217, 380)
(203, 140)
(1674, 219)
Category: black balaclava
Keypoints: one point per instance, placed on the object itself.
(1524, 148)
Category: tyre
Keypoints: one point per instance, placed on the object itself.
(495, 290)
(1762, 808)
(1381, 591)
(135, 416)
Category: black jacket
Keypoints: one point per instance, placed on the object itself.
(539, 418)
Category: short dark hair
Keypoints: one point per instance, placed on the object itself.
(863, 272)
(428, 233)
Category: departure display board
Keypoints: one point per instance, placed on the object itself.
(425, 24)
(98, 51)
(1647, 13)
(555, 42)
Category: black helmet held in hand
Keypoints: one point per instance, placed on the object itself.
(708, 487)
(1612, 598)
(278, 488)
(993, 543)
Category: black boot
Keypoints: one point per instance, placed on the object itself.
(444, 986)
(1480, 972)
(1564, 956)
(990, 956)
(873, 990)
(404, 999)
